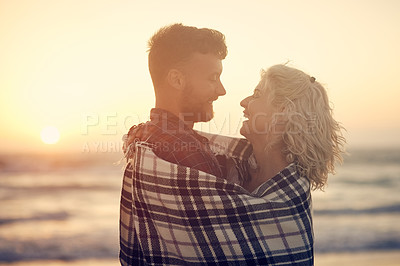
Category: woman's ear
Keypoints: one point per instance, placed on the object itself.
(176, 79)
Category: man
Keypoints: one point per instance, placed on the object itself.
(185, 65)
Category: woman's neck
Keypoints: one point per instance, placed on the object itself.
(270, 162)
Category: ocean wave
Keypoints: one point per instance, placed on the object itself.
(373, 156)
(54, 162)
(361, 246)
(56, 188)
(389, 209)
(378, 180)
(61, 248)
(56, 216)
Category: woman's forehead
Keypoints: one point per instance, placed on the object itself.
(261, 86)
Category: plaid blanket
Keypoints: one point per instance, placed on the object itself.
(174, 215)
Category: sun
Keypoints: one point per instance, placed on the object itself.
(50, 135)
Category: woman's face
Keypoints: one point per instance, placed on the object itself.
(259, 112)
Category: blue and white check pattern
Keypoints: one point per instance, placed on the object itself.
(174, 215)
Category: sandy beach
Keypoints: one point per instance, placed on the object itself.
(391, 258)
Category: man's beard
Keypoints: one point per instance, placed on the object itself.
(192, 110)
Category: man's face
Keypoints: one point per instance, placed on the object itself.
(202, 87)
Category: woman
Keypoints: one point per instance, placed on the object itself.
(290, 122)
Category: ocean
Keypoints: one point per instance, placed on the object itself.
(66, 207)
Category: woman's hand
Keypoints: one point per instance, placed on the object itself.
(136, 133)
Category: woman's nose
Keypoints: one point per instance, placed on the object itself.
(244, 102)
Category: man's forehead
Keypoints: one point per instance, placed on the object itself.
(207, 61)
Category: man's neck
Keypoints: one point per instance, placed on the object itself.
(189, 124)
(170, 103)
(177, 113)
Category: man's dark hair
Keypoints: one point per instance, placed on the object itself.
(174, 44)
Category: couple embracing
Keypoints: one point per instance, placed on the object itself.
(190, 197)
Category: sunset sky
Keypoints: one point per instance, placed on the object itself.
(81, 65)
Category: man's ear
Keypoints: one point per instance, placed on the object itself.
(176, 79)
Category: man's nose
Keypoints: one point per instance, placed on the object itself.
(220, 89)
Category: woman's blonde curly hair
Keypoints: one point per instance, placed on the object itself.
(312, 136)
